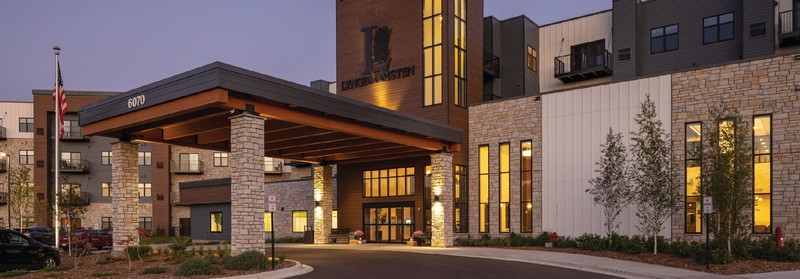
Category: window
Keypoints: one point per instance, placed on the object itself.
(505, 188)
(74, 187)
(694, 153)
(624, 54)
(144, 189)
(216, 222)
(758, 30)
(105, 223)
(71, 129)
(267, 221)
(27, 222)
(460, 200)
(460, 51)
(432, 51)
(189, 161)
(483, 188)
(389, 182)
(71, 160)
(526, 186)
(533, 59)
(26, 125)
(299, 220)
(762, 174)
(105, 189)
(146, 223)
(220, 159)
(105, 157)
(26, 157)
(145, 158)
(335, 219)
(718, 28)
(663, 39)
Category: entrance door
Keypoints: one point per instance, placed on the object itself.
(185, 226)
(587, 55)
(388, 222)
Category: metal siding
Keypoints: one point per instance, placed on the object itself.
(575, 124)
(512, 66)
(201, 222)
(757, 11)
(624, 36)
(10, 112)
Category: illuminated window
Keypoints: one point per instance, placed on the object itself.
(505, 187)
(220, 159)
(533, 59)
(483, 188)
(144, 189)
(432, 51)
(526, 185)
(189, 162)
(26, 157)
(694, 153)
(216, 222)
(335, 219)
(460, 200)
(105, 223)
(105, 189)
(299, 220)
(727, 135)
(388, 182)
(460, 51)
(267, 221)
(105, 157)
(145, 158)
(762, 174)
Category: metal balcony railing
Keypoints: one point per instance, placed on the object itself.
(491, 66)
(74, 165)
(273, 166)
(187, 167)
(3, 198)
(789, 28)
(3, 164)
(83, 198)
(3, 133)
(583, 65)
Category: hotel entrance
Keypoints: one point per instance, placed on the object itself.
(388, 222)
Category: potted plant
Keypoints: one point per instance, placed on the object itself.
(358, 235)
(417, 235)
(553, 239)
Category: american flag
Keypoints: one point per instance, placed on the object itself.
(61, 98)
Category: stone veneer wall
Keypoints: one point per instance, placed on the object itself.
(209, 172)
(759, 87)
(293, 195)
(124, 195)
(93, 218)
(247, 183)
(13, 146)
(511, 121)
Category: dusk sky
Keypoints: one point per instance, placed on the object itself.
(115, 45)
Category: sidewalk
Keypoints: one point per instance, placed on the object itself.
(621, 268)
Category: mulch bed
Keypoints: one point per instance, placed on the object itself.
(737, 267)
(88, 265)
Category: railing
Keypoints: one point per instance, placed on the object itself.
(491, 64)
(787, 22)
(84, 198)
(3, 198)
(74, 165)
(3, 164)
(187, 167)
(73, 133)
(491, 96)
(3, 133)
(580, 61)
(273, 166)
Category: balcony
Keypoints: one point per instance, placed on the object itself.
(74, 165)
(789, 28)
(491, 66)
(3, 133)
(3, 165)
(273, 166)
(184, 167)
(73, 133)
(83, 198)
(583, 65)
(3, 198)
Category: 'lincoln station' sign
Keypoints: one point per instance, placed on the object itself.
(377, 60)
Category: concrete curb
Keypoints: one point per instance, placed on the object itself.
(296, 270)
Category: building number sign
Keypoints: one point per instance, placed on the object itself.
(136, 101)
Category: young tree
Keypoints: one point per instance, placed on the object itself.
(652, 173)
(610, 188)
(726, 173)
(21, 194)
(71, 204)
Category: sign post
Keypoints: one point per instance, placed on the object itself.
(271, 210)
(707, 210)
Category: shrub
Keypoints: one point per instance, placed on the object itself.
(566, 242)
(180, 243)
(281, 258)
(195, 266)
(285, 240)
(592, 242)
(135, 252)
(154, 270)
(14, 273)
(682, 249)
(245, 261)
(543, 238)
(718, 256)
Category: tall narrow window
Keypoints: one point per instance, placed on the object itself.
(526, 184)
(105, 158)
(105, 189)
(105, 223)
(267, 221)
(220, 159)
(533, 59)
(216, 222)
(694, 152)
(460, 51)
(299, 220)
(432, 51)
(483, 186)
(505, 187)
(762, 174)
(460, 200)
(145, 158)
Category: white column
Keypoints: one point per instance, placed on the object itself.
(247, 184)
(124, 195)
(442, 210)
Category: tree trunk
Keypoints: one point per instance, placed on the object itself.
(655, 243)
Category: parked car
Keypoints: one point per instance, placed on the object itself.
(42, 234)
(18, 251)
(98, 238)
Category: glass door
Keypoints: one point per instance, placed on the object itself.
(388, 222)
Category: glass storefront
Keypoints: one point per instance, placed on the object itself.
(388, 222)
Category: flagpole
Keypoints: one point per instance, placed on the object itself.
(57, 93)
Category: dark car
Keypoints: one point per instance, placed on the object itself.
(18, 251)
(42, 234)
(98, 238)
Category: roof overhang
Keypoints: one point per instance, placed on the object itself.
(192, 109)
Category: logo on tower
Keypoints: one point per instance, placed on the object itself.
(376, 49)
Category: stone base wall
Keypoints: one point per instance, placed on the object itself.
(12, 147)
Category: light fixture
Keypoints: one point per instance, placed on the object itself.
(530, 205)
(427, 172)
(436, 198)
(526, 153)
(316, 203)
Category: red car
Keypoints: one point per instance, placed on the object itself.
(98, 238)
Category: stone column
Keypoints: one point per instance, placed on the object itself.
(323, 195)
(247, 183)
(124, 195)
(442, 210)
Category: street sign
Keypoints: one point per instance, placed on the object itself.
(271, 198)
(707, 205)
(271, 207)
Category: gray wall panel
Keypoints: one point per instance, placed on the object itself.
(201, 222)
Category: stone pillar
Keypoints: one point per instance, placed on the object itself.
(124, 195)
(442, 210)
(323, 195)
(247, 183)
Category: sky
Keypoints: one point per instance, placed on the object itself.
(116, 45)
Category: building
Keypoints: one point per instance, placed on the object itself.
(16, 150)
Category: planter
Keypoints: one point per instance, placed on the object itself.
(548, 244)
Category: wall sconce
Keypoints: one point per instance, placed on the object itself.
(316, 203)
(436, 198)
